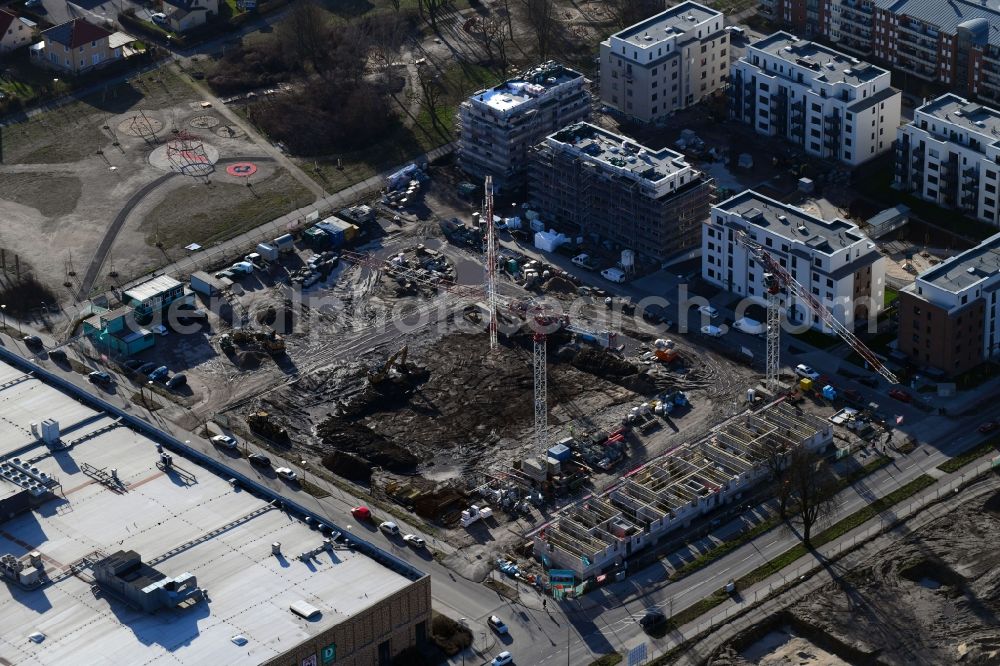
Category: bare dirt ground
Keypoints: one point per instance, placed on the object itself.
(62, 177)
(932, 599)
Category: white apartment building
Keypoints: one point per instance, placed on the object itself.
(950, 154)
(499, 125)
(666, 63)
(831, 104)
(832, 258)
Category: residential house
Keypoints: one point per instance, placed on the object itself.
(15, 31)
(183, 15)
(75, 46)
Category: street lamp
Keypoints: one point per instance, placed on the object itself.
(3, 313)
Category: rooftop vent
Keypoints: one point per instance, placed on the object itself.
(971, 270)
(647, 37)
(690, 17)
(783, 219)
(802, 228)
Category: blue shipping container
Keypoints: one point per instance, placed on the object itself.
(560, 452)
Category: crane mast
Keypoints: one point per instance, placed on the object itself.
(776, 277)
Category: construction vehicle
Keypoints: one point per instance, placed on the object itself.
(269, 341)
(261, 424)
(665, 351)
(379, 374)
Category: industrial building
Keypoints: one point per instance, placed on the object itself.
(667, 494)
(587, 181)
(948, 316)
(498, 126)
(954, 43)
(832, 258)
(666, 63)
(119, 552)
(830, 104)
(950, 155)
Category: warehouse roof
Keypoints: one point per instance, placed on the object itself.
(966, 269)
(795, 224)
(828, 65)
(181, 519)
(947, 16)
(665, 25)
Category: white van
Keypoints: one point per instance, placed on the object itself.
(614, 275)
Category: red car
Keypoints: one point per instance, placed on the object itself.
(361, 513)
(900, 394)
(989, 426)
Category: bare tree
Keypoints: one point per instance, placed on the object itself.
(630, 12)
(395, 5)
(303, 35)
(812, 487)
(431, 92)
(385, 38)
(495, 37)
(541, 14)
(776, 458)
(432, 7)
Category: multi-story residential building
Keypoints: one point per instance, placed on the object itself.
(830, 104)
(950, 155)
(15, 31)
(587, 181)
(952, 43)
(498, 126)
(832, 258)
(75, 46)
(665, 63)
(948, 316)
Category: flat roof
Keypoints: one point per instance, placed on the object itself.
(531, 84)
(192, 521)
(829, 65)
(826, 236)
(618, 151)
(966, 269)
(947, 16)
(150, 288)
(675, 21)
(960, 112)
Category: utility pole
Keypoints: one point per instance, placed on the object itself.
(541, 390)
(491, 263)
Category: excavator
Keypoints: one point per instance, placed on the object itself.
(378, 375)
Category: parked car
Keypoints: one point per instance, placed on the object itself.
(30, 4)
(900, 394)
(505, 658)
(32, 342)
(989, 426)
(414, 540)
(244, 267)
(497, 625)
(160, 329)
(102, 378)
(389, 527)
(853, 396)
(584, 261)
(160, 373)
(177, 381)
(158, 17)
(651, 620)
(224, 441)
(147, 368)
(287, 474)
(58, 355)
(259, 459)
(613, 275)
(361, 513)
(803, 370)
(709, 311)
(712, 331)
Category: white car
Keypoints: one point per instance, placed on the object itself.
(242, 267)
(803, 370)
(158, 17)
(160, 329)
(414, 540)
(712, 331)
(709, 311)
(224, 441)
(503, 659)
(287, 474)
(389, 527)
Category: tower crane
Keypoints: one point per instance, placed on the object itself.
(777, 278)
